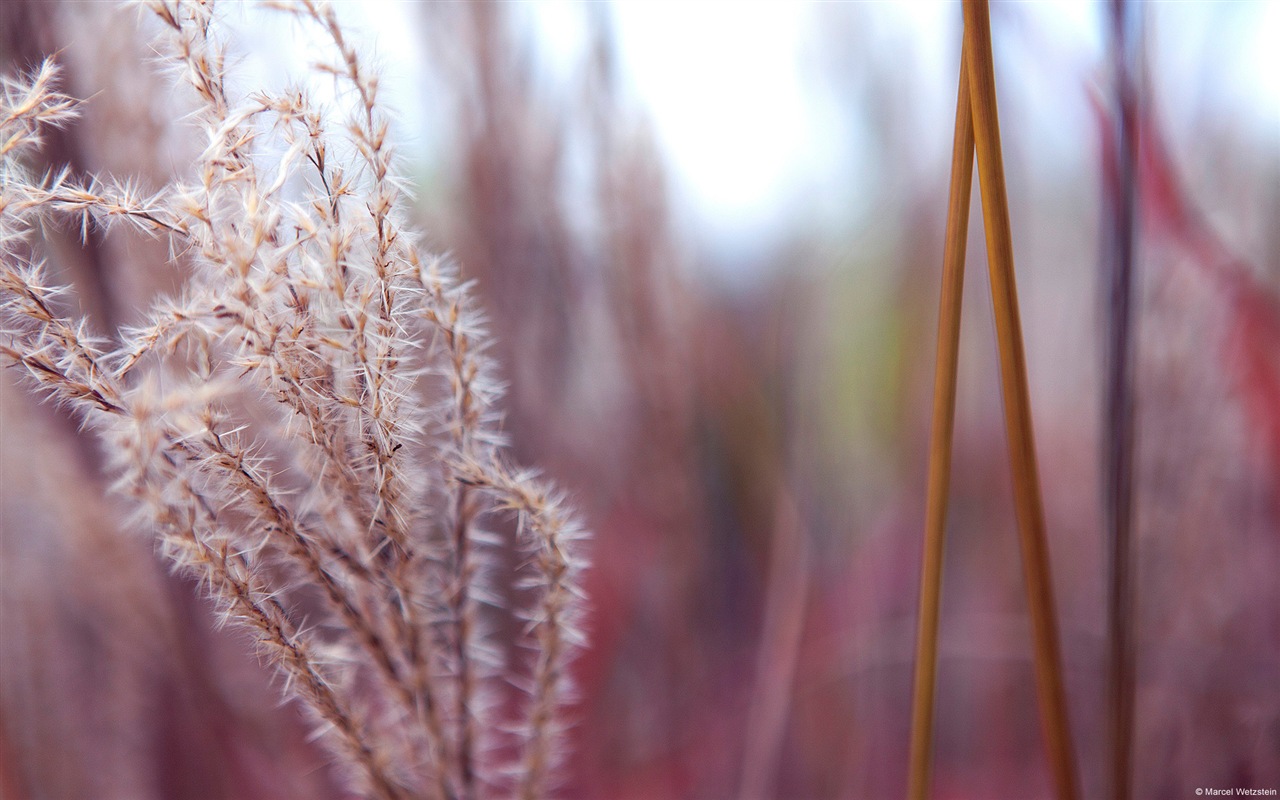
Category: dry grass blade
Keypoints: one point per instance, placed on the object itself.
(944, 404)
(1028, 503)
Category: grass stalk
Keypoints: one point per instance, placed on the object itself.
(464, 615)
(1028, 504)
(944, 404)
(1118, 452)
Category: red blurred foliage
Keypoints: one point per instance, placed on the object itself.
(1252, 345)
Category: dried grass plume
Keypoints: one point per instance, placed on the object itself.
(309, 426)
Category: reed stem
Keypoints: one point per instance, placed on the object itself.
(1028, 503)
(944, 404)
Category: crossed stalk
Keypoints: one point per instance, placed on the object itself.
(978, 128)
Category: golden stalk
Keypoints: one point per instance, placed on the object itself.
(944, 404)
(1017, 405)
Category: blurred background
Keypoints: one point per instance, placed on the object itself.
(708, 237)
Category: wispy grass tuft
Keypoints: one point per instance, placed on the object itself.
(310, 426)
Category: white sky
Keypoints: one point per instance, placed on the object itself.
(724, 84)
(751, 133)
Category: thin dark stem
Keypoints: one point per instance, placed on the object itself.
(1118, 449)
(944, 405)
